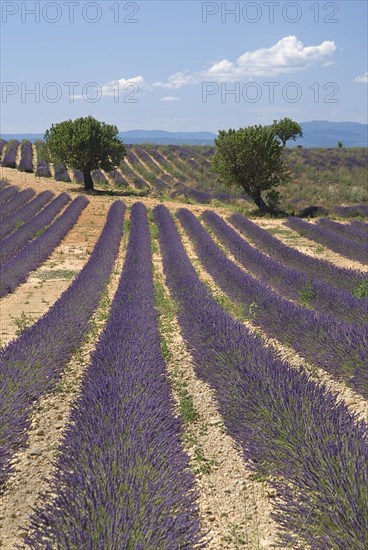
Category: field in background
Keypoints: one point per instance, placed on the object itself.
(319, 177)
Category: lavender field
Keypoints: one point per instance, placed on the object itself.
(172, 172)
(175, 374)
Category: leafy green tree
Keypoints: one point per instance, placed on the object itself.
(252, 159)
(85, 144)
(340, 144)
(286, 129)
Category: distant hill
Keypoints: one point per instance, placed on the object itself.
(161, 137)
(318, 133)
(321, 133)
(19, 137)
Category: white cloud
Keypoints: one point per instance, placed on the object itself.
(124, 85)
(170, 98)
(115, 88)
(288, 55)
(363, 78)
(176, 81)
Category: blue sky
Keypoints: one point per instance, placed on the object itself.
(182, 65)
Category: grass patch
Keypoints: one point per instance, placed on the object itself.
(22, 323)
(167, 310)
(56, 274)
(361, 291)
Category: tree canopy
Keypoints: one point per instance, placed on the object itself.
(85, 144)
(286, 129)
(251, 158)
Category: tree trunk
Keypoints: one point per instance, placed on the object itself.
(260, 202)
(88, 181)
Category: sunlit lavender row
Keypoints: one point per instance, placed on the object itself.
(337, 276)
(292, 431)
(340, 244)
(308, 290)
(12, 244)
(339, 347)
(32, 364)
(122, 479)
(25, 213)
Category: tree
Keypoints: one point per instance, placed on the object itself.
(85, 144)
(340, 144)
(252, 159)
(286, 129)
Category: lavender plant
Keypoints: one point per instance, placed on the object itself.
(340, 348)
(26, 158)
(10, 207)
(32, 364)
(16, 270)
(143, 155)
(336, 276)
(350, 211)
(43, 167)
(12, 244)
(199, 196)
(7, 193)
(355, 232)
(2, 146)
(341, 245)
(122, 479)
(25, 213)
(78, 176)
(160, 185)
(118, 179)
(289, 282)
(359, 225)
(9, 158)
(140, 183)
(291, 430)
(98, 177)
(61, 173)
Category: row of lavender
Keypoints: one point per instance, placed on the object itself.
(43, 168)
(15, 203)
(9, 154)
(335, 276)
(25, 164)
(33, 254)
(291, 430)
(7, 193)
(351, 211)
(26, 157)
(122, 479)
(147, 169)
(339, 347)
(308, 290)
(182, 168)
(24, 213)
(31, 365)
(13, 243)
(148, 173)
(348, 247)
(356, 230)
